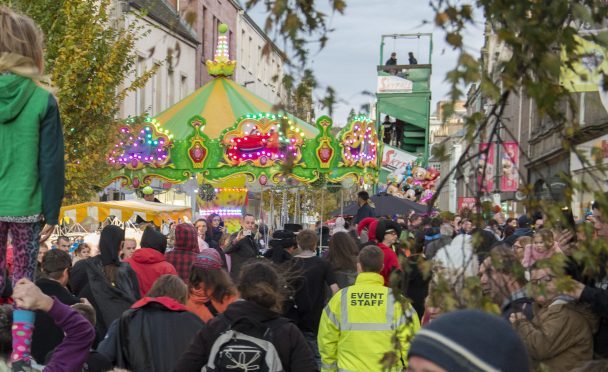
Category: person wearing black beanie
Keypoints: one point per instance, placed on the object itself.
(468, 341)
(149, 261)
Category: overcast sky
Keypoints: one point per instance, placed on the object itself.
(348, 62)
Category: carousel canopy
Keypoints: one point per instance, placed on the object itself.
(220, 102)
(222, 130)
(124, 210)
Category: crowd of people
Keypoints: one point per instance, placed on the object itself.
(376, 293)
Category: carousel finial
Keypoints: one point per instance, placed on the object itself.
(221, 64)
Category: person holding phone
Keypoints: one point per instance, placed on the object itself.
(215, 228)
(243, 246)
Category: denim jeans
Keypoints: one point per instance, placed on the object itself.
(311, 338)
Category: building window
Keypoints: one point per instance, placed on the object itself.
(140, 94)
(183, 87)
(158, 94)
(170, 87)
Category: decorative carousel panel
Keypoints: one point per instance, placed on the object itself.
(141, 145)
(360, 144)
(258, 140)
(197, 152)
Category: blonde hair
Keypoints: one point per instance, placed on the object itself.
(21, 46)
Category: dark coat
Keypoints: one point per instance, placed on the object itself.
(110, 301)
(240, 252)
(47, 336)
(289, 342)
(156, 333)
(364, 211)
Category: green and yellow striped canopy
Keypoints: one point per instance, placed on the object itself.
(220, 102)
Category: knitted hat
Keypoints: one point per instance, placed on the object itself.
(385, 226)
(283, 239)
(471, 340)
(370, 223)
(208, 259)
(524, 221)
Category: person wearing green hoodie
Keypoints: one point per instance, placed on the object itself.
(32, 170)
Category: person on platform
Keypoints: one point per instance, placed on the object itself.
(365, 210)
(392, 61)
(411, 59)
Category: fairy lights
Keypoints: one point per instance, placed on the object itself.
(360, 143)
(147, 145)
(224, 212)
(258, 138)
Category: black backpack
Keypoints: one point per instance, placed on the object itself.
(246, 345)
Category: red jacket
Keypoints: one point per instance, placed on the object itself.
(391, 262)
(149, 264)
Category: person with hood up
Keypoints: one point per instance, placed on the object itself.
(186, 248)
(560, 335)
(149, 261)
(467, 341)
(153, 334)
(261, 289)
(110, 285)
(210, 289)
(387, 232)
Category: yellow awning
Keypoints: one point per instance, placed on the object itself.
(124, 210)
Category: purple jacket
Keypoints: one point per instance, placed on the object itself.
(73, 351)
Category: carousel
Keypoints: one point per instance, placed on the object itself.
(222, 144)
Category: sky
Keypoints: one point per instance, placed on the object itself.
(348, 62)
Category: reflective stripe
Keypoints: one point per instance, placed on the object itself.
(331, 316)
(456, 348)
(344, 308)
(329, 366)
(368, 327)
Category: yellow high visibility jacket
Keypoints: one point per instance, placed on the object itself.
(358, 325)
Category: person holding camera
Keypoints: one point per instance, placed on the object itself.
(243, 246)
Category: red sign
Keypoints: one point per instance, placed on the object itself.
(485, 168)
(466, 202)
(509, 179)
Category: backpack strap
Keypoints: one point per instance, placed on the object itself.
(211, 308)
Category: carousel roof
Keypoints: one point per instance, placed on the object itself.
(220, 102)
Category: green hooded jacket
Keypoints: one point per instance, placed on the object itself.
(32, 168)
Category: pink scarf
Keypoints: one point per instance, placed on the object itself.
(531, 255)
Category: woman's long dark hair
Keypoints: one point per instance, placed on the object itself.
(262, 284)
(342, 254)
(218, 282)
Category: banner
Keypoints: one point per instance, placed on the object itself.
(394, 84)
(585, 75)
(396, 160)
(509, 179)
(486, 171)
(466, 202)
